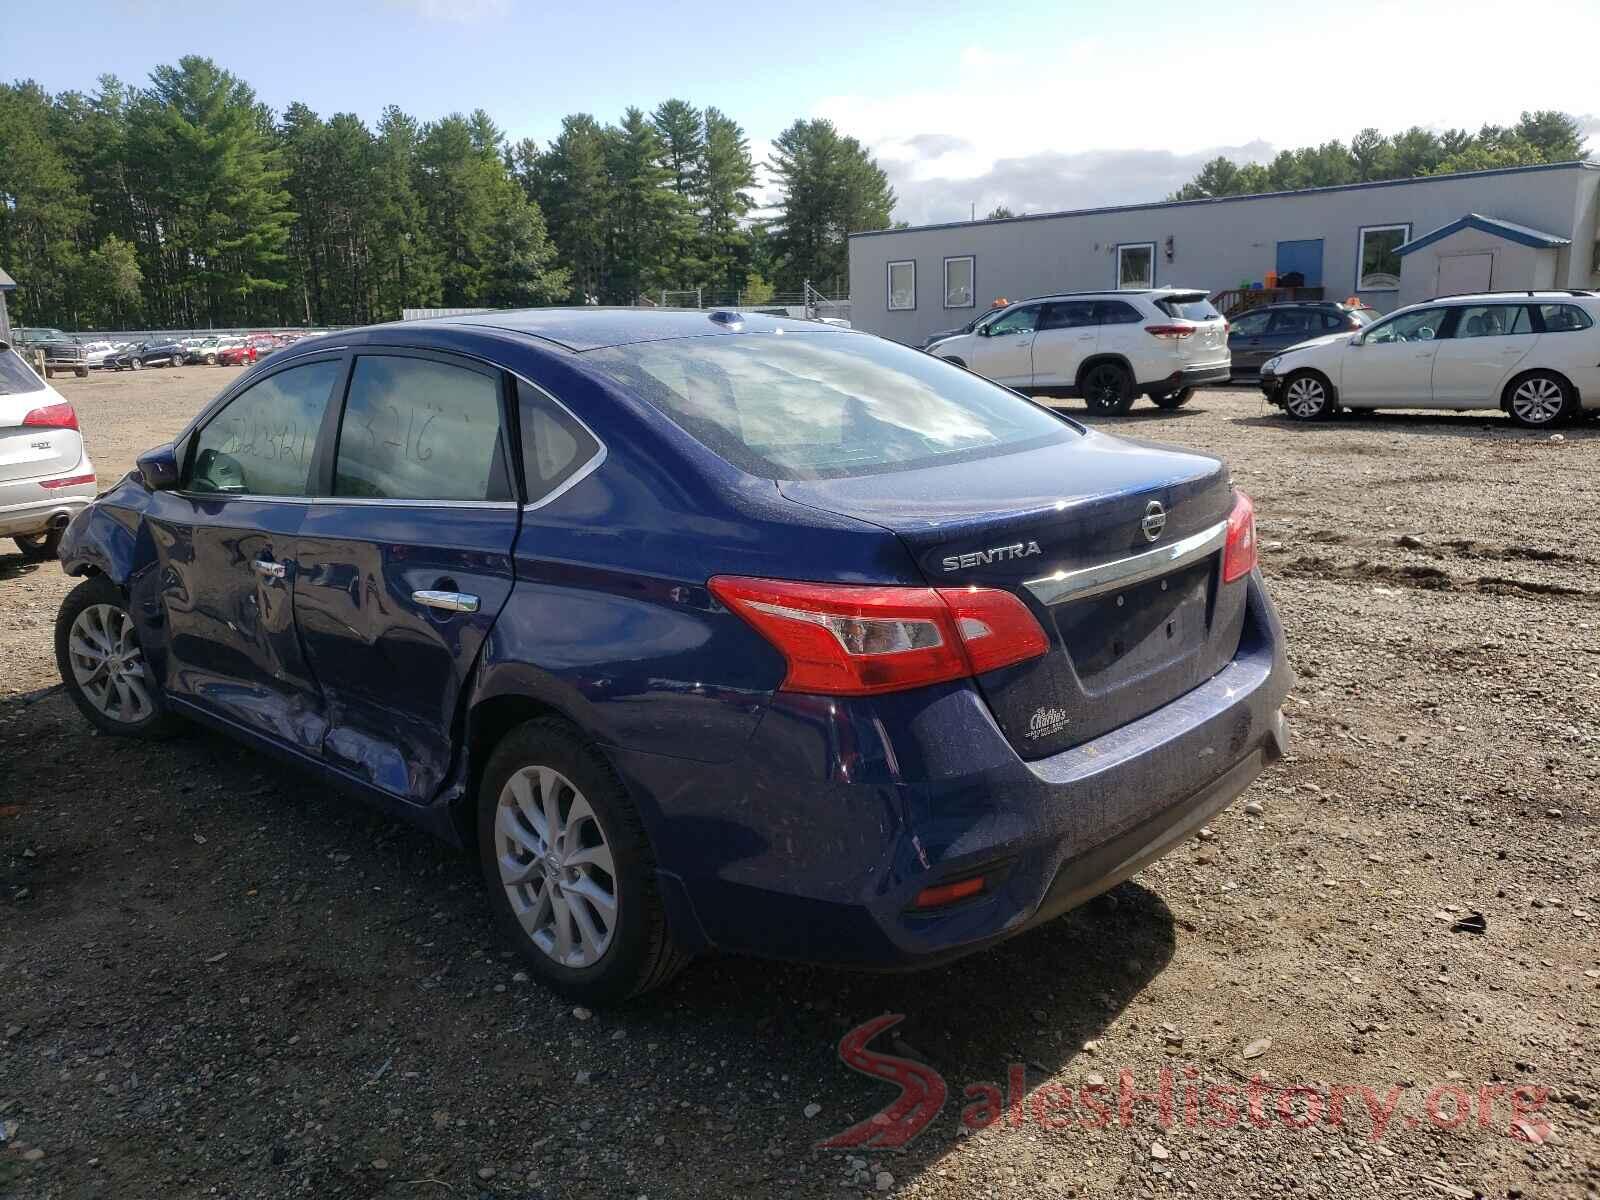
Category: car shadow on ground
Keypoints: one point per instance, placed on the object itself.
(14, 566)
(1453, 424)
(364, 923)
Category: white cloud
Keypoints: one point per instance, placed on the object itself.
(1086, 120)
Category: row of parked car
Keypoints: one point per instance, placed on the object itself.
(64, 352)
(1533, 355)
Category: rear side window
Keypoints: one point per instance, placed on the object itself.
(1253, 325)
(1116, 312)
(1188, 308)
(16, 376)
(1067, 314)
(418, 429)
(1493, 320)
(825, 406)
(1295, 322)
(261, 444)
(555, 447)
(1564, 318)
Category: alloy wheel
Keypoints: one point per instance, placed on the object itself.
(1538, 401)
(109, 665)
(556, 866)
(1306, 397)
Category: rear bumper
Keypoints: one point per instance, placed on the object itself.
(41, 508)
(1192, 377)
(815, 845)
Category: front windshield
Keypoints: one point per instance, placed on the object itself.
(824, 406)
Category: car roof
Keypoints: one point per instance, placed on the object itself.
(594, 328)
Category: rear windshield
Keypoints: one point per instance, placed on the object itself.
(824, 406)
(1188, 308)
(16, 376)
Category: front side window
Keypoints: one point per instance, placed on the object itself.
(958, 290)
(16, 376)
(1379, 257)
(417, 429)
(1422, 325)
(1564, 318)
(1493, 320)
(1136, 265)
(262, 443)
(1018, 320)
(1252, 324)
(902, 286)
(825, 406)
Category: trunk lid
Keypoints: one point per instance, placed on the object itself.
(1133, 622)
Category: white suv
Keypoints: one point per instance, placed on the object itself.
(1534, 354)
(46, 477)
(1107, 347)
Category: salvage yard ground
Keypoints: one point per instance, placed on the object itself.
(216, 979)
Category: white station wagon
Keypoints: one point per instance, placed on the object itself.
(1534, 354)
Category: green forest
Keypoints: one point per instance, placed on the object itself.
(1539, 137)
(187, 203)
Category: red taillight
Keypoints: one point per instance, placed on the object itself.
(949, 893)
(854, 640)
(1239, 556)
(66, 481)
(1170, 331)
(53, 416)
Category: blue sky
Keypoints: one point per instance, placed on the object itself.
(1037, 105)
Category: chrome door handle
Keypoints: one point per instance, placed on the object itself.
(447, 601)
(268, 569)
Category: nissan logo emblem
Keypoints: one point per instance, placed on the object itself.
(1155, 520)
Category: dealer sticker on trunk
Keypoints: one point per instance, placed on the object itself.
(1046, 721)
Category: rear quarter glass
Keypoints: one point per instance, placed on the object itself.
(828, 405)
(17, 377)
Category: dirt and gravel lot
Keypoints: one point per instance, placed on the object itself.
(218, 979)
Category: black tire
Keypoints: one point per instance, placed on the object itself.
(1308, 396)
(81, 372)
(1539, 399)
(176, 361)
(1170, 400)
(641, 955)
(136, 364)
(953, 360)
(211, 360)
(1107, 389)
(159, 722)
(40, 547)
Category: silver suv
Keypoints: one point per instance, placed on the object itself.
(1108, 347)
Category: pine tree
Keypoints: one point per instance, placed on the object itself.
(573, 187)
(42, 212)
(722, 183)
(831, 188)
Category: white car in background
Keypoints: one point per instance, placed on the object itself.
(46, 477)
(1536, 355)
(96, 353)
(1108, 347)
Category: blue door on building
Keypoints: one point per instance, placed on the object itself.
(1305, 257)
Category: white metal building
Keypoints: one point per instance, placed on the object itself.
(1391, 243)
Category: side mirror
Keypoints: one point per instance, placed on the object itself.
(1360, 339)
(159, 468)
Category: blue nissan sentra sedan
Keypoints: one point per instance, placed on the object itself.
(708, 630)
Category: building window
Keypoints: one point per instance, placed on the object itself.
(1378, 257)
(1136, 265)
(958, 291)
(902, 286)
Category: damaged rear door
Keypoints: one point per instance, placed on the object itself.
(405, 566)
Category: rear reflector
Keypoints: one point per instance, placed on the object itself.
(949, 893)
(1239, 555)
(66, 481)
(854, 640)
(1170, 331)
(53, 416)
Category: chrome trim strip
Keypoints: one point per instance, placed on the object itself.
(368, 501)
(1125, 572)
